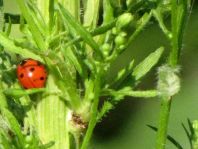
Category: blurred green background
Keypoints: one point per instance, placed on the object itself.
(124, 127)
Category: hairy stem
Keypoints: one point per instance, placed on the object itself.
(178, 20)
(163, 124)
(94, 111)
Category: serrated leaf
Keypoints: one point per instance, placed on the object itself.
(171, 139)
(145, 66)
(9, 46)
(128, 91)
(105, 108)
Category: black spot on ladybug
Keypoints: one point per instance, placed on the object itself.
(21, 75)
(38, 63)
(42, 78)
(32, 69)
(25, 87)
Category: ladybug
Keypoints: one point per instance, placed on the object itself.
(31, 74)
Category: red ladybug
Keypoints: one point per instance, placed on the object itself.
(31, 74)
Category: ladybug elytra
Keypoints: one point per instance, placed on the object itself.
(31, 74)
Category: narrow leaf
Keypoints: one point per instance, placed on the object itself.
(91, 13)
(145, 66)
(14, 125)
(97, 31)
(76, 61)
(188, 135)
(22, 92)
(105, 108)
(171, 139)
(122, 74)
(9, 46)
(79, 29)
(127, 91)
(2, 21)
(191, 127)
(32, 24)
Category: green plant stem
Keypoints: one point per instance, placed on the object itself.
(144, 20)
(52, 119)
(163, 124)
(159, 18)
(178, 20)
(94, 111)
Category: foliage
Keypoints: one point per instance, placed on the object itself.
(78, 50)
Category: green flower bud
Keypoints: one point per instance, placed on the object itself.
(119, 40)
(123, 34)
(124, 20)
(28, 139)
(114, 31)
(106, 49)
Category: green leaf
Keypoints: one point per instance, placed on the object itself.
(3, 100)
(171, 139)
(48, 145)
(122, 74)
(4, 142)
(22, 92)
(2, 21)
(75, 59)
(91, 13)
(188, 135)
(191, 127)
(105, 108)
(9, 46)
(8, 29)
(127, 91)
(34, 28)
(14, 125)
(145, 66)
(97, 31)
(79, 29)
(38, 18)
